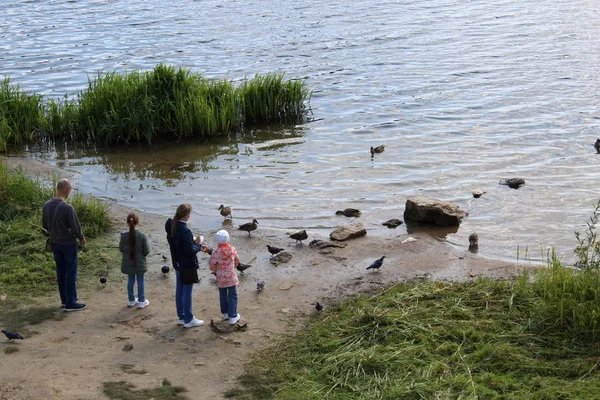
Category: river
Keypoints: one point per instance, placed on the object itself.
(462, 93)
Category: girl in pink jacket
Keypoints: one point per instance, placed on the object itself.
(223, 261)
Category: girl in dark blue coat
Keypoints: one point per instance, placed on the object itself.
(184, 248)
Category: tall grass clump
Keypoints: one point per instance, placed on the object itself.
(21, 115)
(25, 267)
(569, 297)
(424, 340)
(166, 103)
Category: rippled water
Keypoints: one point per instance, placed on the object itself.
(463, 94)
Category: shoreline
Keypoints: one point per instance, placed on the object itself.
(201, 358)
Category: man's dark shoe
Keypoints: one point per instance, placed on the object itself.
(75, 307)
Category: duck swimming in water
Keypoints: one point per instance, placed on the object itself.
(349, 212)
(377, 150)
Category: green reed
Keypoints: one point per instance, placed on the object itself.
(166, 103)
(21, 115)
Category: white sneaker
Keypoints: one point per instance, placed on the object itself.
(234, 320)
(144, 304)
(225, 317)
(132, 303)
(180, 322)
(193, 323)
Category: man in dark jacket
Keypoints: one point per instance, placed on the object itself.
(60, 220)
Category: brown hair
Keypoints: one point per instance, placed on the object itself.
(182, 211)
(132, 221)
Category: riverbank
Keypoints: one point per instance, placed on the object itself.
(89, 344)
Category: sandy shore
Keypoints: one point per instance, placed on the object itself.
(70, 359)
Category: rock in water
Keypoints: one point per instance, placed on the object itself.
(442, 213)
(392, 223)
(513, 183)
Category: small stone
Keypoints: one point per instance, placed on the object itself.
(348, 231)
(281, 257)
(513, 183)
(392, 223)
(409, 239)
(128, 347)
(285, 310)
(2, 297)
(200, 364)
(478, 193)
(286, 285)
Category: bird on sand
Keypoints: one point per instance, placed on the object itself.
(349, 212)
(274, 250)
(376, 264)
(103, 280)
(299, 236)
(225, 211)
(165, 269)
(242, 267)
(249, 226)
(260, 285)
(319, 307)
(377, 150)
(10, 335)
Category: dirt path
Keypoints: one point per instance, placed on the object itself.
(71, 358)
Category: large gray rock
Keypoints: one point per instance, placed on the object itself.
(443, 213)
(348, 231)
(280, 258)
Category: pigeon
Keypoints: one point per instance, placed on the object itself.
(242, 267)
(319, 307)
(260, 286)
(249, 226)
(299, 236)
(225, 211)
(377, 150)
(103, 280)
(349, 212)
(274, 250)
(11, 335)
(376, 264)
(165, 269)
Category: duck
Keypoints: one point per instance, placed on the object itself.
(377, 150)
(349, 212)
(225, 211)
(249, 226)
(597, 145)
(299, 236)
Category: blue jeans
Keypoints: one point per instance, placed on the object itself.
(65, 256)
(228, 298)
(141, 292)
(183, 299)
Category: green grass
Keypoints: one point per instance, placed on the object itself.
(126, 391)
(27, 271)
(147, 106)
(11, 350)
(429, 340)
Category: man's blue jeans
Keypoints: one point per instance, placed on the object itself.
(183, 299)
(65, 256)
(140, 283)
(228, 298)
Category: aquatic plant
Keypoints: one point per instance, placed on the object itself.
(21, 115)
(166, 103)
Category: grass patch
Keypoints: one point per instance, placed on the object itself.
(426, 340)
(130, 369)
(147, 106)
(126, 391)
(27, 271)
(11, 350)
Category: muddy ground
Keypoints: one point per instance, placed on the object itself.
(71, 358)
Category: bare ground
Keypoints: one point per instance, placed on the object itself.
(71, 358)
